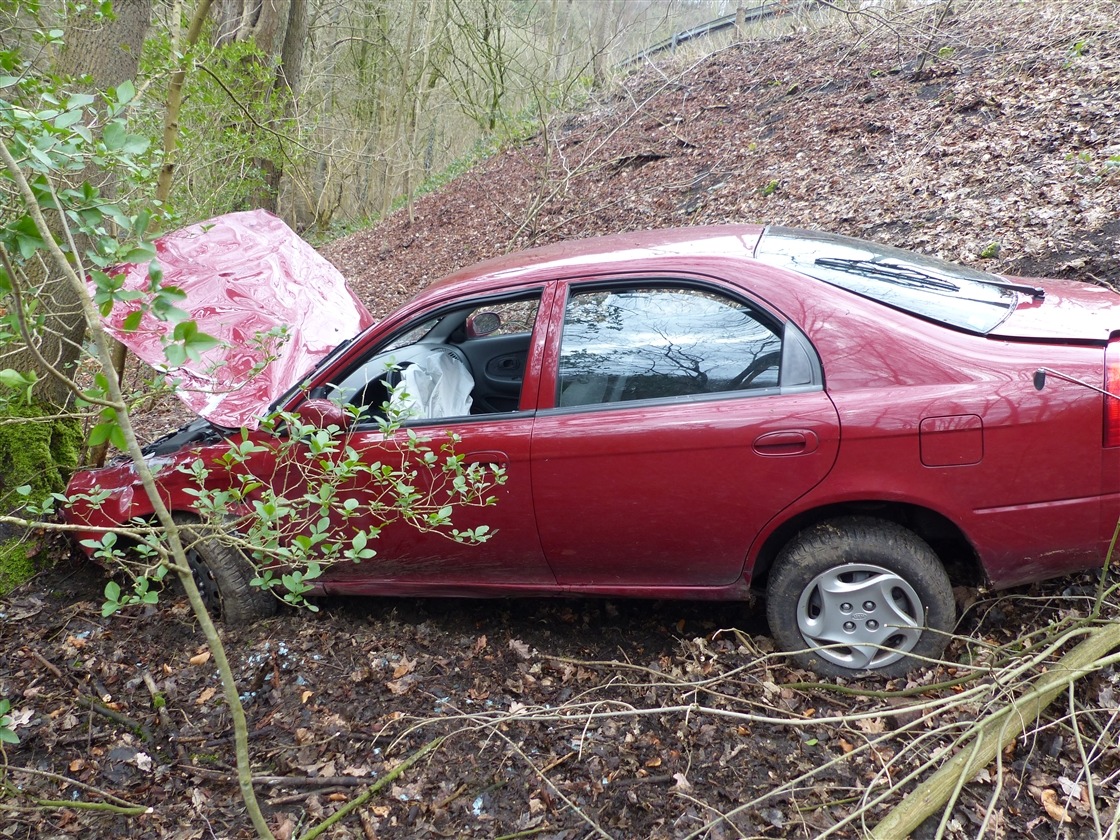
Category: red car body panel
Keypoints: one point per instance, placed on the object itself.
(692, 497)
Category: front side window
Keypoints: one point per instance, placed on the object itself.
(660, 341)
(444, 366)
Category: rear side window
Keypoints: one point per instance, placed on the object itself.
(662, 341)
(930, 288)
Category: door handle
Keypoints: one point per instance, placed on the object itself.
(786, 442)
(494, 457)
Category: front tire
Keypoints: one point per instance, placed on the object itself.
(855, 594)
(223, 574)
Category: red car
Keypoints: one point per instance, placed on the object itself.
(699, 413)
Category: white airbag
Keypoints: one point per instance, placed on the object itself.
(439, 385)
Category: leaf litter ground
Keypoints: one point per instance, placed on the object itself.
(570, 719)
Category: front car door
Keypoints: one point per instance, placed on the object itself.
(488, 407)
(676, 418)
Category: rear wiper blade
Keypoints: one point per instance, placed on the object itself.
(904, 275)
(891, 272)
(1036, 292)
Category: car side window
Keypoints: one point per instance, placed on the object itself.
(652, 342)
(444, 366)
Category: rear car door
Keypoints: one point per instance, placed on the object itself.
(676, 418)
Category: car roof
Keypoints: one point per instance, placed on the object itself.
(619, 250)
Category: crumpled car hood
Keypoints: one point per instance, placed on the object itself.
(277, 306)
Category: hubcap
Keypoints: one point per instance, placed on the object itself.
(860, 616)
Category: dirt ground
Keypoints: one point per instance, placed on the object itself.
(562, 719)
(570, 719)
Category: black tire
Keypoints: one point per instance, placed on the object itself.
(901, 608)
(222, 575)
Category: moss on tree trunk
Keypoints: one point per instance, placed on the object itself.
(38, 450)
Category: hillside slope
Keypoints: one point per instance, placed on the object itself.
(1003, 151)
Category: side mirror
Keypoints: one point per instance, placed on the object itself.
(483, 323)
(323, 413)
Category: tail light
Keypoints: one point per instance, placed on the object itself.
(1112, 385)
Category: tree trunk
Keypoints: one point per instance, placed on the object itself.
(279, 29)
(109, 52)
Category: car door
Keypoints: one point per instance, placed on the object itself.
(676, 418)
(407, 555)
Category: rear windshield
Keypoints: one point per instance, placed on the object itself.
(930, 288)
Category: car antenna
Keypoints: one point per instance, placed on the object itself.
(1040, 381)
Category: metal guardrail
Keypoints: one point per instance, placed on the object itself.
(752, 15)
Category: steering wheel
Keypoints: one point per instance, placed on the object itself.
(755, 369)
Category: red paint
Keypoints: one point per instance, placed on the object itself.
(680, 497)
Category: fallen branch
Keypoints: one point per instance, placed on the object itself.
(66, 780)
(136, 726)
(997, 731)
(277, 781)
(361, 800)
(132, 811)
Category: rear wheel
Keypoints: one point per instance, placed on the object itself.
(222, 575)
(858, 594)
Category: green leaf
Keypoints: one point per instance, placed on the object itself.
(15, 379)
(112, 591)
(67, 119)
(139, 254)
(79, 100)
(114, 135)
(135, 145)
(132, 321)
(116, 437)
(126, 92)
(100, 433)
(175, 354)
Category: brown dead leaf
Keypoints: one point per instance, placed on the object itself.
(654, 762)
(304, 736)
(286, 830)
(1053, 807)
(305, 695)
(401, 686)
(200, 658)
(480, 644)
(520, 648)
(845, 746)
(76, 642)
(405, 666)
(205, 696)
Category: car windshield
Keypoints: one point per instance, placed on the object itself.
(930, 288)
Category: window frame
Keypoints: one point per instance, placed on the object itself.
(439, 314)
